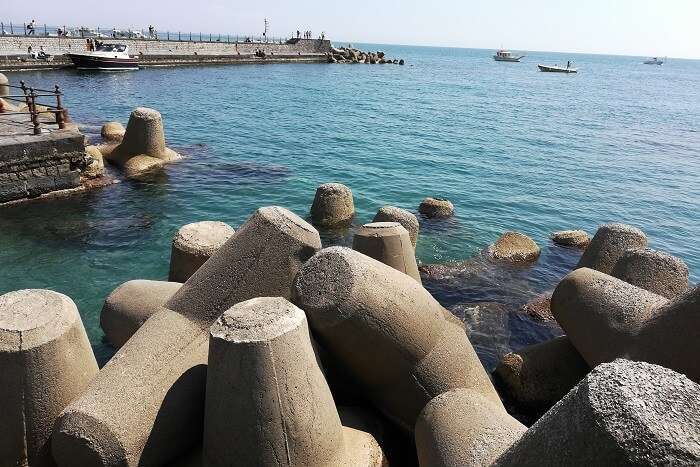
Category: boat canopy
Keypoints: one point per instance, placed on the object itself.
(111, 48)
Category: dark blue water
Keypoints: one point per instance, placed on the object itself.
(511, 147)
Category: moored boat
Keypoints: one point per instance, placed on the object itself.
(106, 57)
(506, 56)
(557, 69)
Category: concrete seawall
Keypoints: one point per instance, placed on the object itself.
(13, 51)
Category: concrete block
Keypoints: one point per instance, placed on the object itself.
(4, 86)
(387, 332)
(514, 247)
(12, 190)
(436, 207)
(607, 318)
(623, 413)
(267, 402)
(654, 271)
(45, 362)
(333, 205)
(407, 219)
(146, 405)
(538, 376)
(463, 428)
(389, 243)
(193, 245)
(608, 244)
(112, 131)
(130, 305)
(572, 238)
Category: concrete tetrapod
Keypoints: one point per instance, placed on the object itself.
(267, 402)
(387, 332)
(194, 244)
(623, 413)
(333, 205)
(408, 220)
(654, 271)
(45, 361)
(130, 305)
(608, 244)
(538, 376)
(607, 318)
(146, 405)
(143, 146)
(389, 243)
(463, 428)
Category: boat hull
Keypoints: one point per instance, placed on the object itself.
(556, 69)
(86, 62)
(509, 59)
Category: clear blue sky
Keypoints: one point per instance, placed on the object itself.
(629, 27)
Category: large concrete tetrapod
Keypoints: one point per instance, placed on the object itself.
(130, 305)
(607, 318)
(623, 413)
(388, 332)
(463, 428)
(4, 86)
(407, 219)
(608, 244)
(333, 205)
(654, 271)
(389, 243)
(193, 245)
(45, 362)
(267, 402)
(146, 405)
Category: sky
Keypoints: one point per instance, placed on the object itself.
(623, 27)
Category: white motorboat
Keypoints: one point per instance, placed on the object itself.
(557, 69)
(108, 57)
(506, 56)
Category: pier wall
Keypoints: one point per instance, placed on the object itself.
(18, 45)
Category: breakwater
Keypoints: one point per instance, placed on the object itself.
(14, 51)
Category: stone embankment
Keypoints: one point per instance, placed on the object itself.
(352, 55)
(246, 362)
(153, 52)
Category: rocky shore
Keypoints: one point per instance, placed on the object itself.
(268, 349)
(352, 55)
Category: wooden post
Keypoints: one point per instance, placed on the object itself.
(35, 114)
(26, 95)
(59, 109)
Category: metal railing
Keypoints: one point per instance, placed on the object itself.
(13, 29)
(30, 97)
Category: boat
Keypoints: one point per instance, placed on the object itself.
(106, 57)
(654, 61)
(557, 69)
(506, 56)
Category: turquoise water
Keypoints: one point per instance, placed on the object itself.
(511, 147)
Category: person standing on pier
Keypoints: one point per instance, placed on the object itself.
(31, 28)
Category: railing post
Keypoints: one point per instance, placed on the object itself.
(98, 31)
(46, 33)
(168, 35)
(190, 37)
(35, 114)
(179, 36)
(25, 28)
(12, 30)
(59, 109)
(26, 96)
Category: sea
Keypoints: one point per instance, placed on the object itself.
(511, 147)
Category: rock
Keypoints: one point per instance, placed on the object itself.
(143, 146)
(4, 86)
(608, 244)
(539, 309)
(130, 305)
(538, 376)
(408, 220)
(7, 106)
(514, 247)
(572, 238)
(266, 397)
(607, 318)
(463, 428)
(389, 243)
(436, 207)
(45, 361)
(113, 132)
(333, 205)
(622, 413)
(146, 405)
(654, 271)
(364, 314)
(96, 168)
(193, 245)
(401, 62)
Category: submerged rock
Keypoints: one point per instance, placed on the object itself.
(572, 238)
(514, 247)
(436, 208)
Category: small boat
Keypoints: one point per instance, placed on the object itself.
(506, 56)
(557, 69)
(654, 61)
(105, 57)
